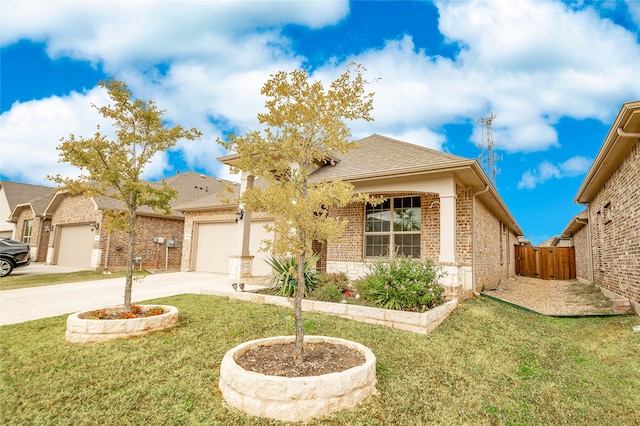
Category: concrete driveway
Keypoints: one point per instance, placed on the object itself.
(28, 304)
(40, 268)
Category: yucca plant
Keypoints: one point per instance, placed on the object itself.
(286, 271)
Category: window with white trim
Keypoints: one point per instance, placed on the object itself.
(26, 232)
(393, 230)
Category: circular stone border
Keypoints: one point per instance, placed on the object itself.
(296, 399)
(91, 330)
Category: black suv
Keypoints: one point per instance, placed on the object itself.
(13, 254)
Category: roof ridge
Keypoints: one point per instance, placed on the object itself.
(12, 182)
(416, 146)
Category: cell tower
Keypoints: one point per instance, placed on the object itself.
(488, 157)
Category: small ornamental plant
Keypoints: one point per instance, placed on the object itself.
(332, 287)
(402, 283)
(136, 312)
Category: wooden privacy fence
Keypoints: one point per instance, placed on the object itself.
(547, 263)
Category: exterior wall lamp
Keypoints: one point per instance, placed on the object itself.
(94, 225)
(239, 214)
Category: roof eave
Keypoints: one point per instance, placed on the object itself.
(613, 149)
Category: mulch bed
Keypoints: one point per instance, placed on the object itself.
(319, 358)
(558, 298)
(119, 313)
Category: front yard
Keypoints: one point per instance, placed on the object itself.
(486, 364)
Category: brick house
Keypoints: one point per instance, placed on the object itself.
(78, 239)
(439, 206)
(607, 235)
(220, 237)
(22, 213)
(576, 234)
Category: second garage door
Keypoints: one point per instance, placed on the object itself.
(216, 242)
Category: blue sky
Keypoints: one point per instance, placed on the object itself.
(555, 74)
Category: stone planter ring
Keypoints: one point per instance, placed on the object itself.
(97, 330)
(295, 399)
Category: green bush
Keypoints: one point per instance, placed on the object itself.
(286, 272)
(402, 283)
(330, 287)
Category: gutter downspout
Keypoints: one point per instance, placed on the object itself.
(473, 240)
(106, 255)
(627, 134)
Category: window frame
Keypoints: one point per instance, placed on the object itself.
(27, 231)
(406, 203)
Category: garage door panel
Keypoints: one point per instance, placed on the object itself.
(76, 246)
(258, 234)
(216, 242)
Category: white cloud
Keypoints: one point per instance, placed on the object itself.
(546, 171)
(32, 130)
(120, 33)
(423, 137)
(530, 62)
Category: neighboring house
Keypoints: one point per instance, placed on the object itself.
(576, 233)
(439, 206)
(611, 193)
(22, 210)
(79, 239)
(214, 232)
(557, 241)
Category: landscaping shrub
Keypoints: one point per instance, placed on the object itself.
(402, 283)
(331, 287)
(286, 272)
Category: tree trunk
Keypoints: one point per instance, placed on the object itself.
(129, 278)
(297, 308)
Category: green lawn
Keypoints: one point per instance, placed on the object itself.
(486, 364)
(25, 281)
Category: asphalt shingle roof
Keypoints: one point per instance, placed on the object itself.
(22, 193)
(381, 156)
(191, 186)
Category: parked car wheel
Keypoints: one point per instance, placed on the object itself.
(13, 254)
(5, 267)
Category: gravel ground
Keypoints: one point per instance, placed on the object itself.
(552, 297)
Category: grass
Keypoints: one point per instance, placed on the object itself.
(588, 293)
(486, 364)
(26, 281)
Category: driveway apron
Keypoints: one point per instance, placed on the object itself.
(28, 304)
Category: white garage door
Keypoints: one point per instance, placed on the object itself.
(216, 242)
(258, 234)
(76, 246)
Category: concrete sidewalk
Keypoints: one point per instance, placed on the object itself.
(28, 304)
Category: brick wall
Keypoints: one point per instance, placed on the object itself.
(493, 250)
(349, 246)
(463, 226)
(615, 229)
(153, 254)
(511, 249)
(39, 237)
(581, 245)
